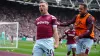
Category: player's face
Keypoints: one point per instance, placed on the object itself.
(71, 27)
(43, 7)
(82, 10)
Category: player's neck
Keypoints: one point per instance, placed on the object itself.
(71, 29)
(83, 14)
(46, 13)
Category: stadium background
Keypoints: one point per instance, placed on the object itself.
(26, 11)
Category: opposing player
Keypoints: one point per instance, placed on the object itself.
(84, 27)
(71, 42)
(46, 30)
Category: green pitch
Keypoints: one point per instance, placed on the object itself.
(25, 47)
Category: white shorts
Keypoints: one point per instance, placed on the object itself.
(70, 46)
(44, 46)
(84, 45)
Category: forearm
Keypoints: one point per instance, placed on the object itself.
(68, 22)
(87, 33)
(63, 24)
(56, 37)
(63, 36)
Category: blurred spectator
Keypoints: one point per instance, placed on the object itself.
(81, 1)
(58, 2)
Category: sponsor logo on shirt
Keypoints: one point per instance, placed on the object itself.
(42, 22)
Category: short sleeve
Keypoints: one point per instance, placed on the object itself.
(35, 22)
(66, 31)
(54, 20)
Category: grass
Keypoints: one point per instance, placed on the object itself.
(25, 47)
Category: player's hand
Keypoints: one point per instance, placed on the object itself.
(76, 37)
(56, 46)
(58, 23)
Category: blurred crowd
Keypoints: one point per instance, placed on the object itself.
(24, 17)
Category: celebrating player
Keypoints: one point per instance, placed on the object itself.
(84, 28)
(71, 42)
(46, 29)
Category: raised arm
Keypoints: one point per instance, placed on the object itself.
(68, 22)
(65, 34)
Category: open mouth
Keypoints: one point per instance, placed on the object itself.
(41, 10)
(79, 11)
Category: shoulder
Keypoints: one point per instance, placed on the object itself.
(38, 18)
(74, 18)
(90, 18)
(73, 29)
(77, 15)
(53, 17)
(66, 30)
